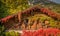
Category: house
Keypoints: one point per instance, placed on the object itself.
(19, 20)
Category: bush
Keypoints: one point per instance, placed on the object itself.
(11, 33)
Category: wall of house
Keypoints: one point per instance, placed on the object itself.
(20, 20)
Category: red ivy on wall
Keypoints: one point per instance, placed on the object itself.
(50, 13)
(5, 19)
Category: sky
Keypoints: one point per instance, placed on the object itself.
(57, 1)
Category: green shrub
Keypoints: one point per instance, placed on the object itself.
(12, 33)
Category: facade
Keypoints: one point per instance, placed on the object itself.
(19, 21)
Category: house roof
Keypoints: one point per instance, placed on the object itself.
(35, 8)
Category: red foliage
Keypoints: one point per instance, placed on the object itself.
(50, 13)
(41, 32)
(5, 19)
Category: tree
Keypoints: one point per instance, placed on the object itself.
(15, 5)
(3, 10)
